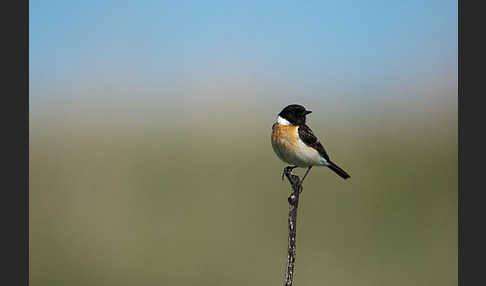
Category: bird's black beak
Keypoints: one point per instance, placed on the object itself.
(307, 112)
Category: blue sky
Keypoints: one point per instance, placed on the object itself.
(75, 41)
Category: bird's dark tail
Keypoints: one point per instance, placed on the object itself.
(338, 170)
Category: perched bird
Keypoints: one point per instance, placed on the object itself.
(295, 143)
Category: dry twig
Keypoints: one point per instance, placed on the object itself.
(293, 200)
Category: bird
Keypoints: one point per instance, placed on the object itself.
(295, 143)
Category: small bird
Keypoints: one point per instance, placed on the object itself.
(295, 143)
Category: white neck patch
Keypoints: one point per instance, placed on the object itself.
(282, 121)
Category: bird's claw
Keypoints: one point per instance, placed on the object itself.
(287, 170)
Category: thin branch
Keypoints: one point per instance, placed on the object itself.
(292, 220)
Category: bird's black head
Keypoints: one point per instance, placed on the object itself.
(295, 114)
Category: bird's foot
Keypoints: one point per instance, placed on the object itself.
(288, 171)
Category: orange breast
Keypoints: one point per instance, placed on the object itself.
(285, 140)
(285, 135)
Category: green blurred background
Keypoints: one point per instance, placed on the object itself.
(150, 170)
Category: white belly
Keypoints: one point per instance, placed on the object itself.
(300, 155)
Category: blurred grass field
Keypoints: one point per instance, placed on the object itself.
(188, 192)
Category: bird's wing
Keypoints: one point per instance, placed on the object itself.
(308, 137)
